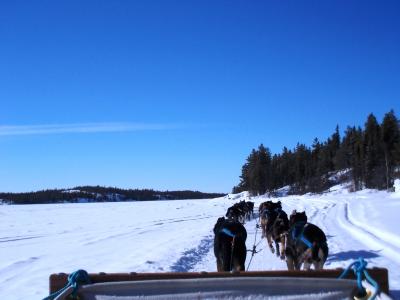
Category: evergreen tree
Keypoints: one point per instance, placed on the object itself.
(355, 155)
(262, 178)
(372, 155)
(325, 163)
(252, 172)
(277, 174)
(346, 151)
(256, 172)
(391, 141)
(334, 147)
(246, 175)
(302, 167)
(315, 155)
(374, 170)
(287, 167)
(315, 182)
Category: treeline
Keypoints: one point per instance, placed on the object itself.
(100, 194)
(371, 155)
(148, 194)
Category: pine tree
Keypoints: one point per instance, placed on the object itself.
(325, 163)
(246, 179)
(373, 155)
(391, 141)
(353, 145)
(287, 167)
(315, 155)
(315, 180)
(252, 172)
(334, 146)
(262, 170)
(342, 159)
(302, 167)
(277, 175)
(374, 170)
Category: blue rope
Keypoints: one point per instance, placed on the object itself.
(228, 232)
(360, 269)
(75, 280)
(373, 283)
(305, 241)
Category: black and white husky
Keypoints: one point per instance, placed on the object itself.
(305, 244)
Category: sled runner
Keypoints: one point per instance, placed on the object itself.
(321, 284)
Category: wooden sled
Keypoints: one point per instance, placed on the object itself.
(321, 284)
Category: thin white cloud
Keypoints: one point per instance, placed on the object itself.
(11, 130)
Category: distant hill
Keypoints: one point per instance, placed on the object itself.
(100, 194)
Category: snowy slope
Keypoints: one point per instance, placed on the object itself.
(37, 240)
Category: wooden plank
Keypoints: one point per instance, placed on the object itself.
(58, 281)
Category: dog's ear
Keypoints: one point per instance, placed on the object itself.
(304, 216)
(292, 218)
(218, 224)
(215, 228)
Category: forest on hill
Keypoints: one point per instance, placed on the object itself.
(100, 194)
(371, 154)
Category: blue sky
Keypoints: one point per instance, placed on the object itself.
(175, 94)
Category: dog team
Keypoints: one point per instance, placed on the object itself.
(294, 239)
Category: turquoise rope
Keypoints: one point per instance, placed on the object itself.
(360, 268)
(228, 232)
(305, 241)
(75, 280)
(373, 283)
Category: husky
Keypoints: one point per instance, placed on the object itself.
(240, 211)
(230, 245)
(305, 244)
(275, 225)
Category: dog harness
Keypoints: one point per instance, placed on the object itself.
(266, 212)
(297, 234)
(228, 232)
(233, 236)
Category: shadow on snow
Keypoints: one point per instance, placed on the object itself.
(193, 256)
(395, 294)
(352, 255)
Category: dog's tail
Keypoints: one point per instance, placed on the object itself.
(314, 251)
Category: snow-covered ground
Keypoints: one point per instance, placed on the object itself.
(37, 240)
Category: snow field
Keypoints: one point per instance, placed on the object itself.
(164, 236)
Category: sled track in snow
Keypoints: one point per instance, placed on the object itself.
(388, 238)
(18, 238)
(368, 238)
